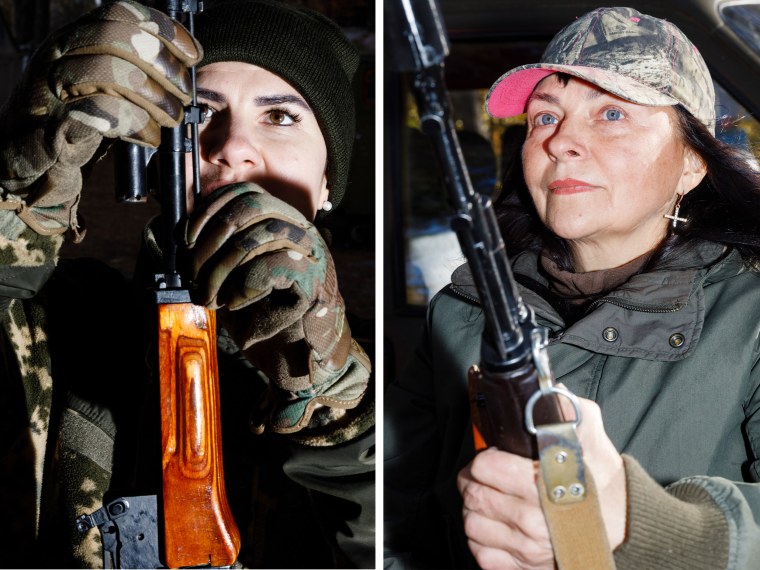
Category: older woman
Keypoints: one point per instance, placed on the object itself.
(634, 235)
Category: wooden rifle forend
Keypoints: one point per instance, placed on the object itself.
(199, 529)
(198, 525)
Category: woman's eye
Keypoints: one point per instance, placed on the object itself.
(281, 118)
(206, 112)
(613, 114)
(545, 119)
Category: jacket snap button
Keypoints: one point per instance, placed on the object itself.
(676, 340)
(610, 334)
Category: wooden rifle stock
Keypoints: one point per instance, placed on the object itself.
(198, 525)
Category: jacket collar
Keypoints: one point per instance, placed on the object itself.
(656, 315)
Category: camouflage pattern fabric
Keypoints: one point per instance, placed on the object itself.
(75, 482)
(57, 452)
(269, 269)
(64, 483)
(118, 72)
(23, 331)
(55, 463)
(27, 259)
(637, 57)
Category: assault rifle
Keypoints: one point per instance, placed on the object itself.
(514, 368)
(197, 524)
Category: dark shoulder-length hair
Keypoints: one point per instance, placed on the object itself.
(723, 208)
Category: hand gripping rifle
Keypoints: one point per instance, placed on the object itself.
(513, 398)
(198, 527)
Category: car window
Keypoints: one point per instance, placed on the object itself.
(743, 18)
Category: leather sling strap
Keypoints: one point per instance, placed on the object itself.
(570, 501)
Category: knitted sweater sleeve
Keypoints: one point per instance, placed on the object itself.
(695, 523)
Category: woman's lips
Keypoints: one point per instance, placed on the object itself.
(570, 186)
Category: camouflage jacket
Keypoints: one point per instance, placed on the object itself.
(72, 418)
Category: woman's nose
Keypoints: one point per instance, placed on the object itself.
(234, 147)
(568, 140)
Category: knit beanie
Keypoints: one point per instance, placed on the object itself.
(303, 47)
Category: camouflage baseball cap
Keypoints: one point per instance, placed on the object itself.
(639, 58)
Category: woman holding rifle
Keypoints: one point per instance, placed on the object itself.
(275, 84)
(634, 235)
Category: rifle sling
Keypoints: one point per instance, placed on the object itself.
(570, 501)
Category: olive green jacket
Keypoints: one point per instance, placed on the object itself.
(671, 357)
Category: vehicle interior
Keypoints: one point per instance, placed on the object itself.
(487, 38)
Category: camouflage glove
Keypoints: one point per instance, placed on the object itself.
(269, 268)
(119, 72)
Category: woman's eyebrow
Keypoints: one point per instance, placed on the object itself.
(553, 100)
(262, 101)
(266, 100)
(210, 95)
(540, 96)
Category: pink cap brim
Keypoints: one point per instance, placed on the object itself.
(510, 93)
